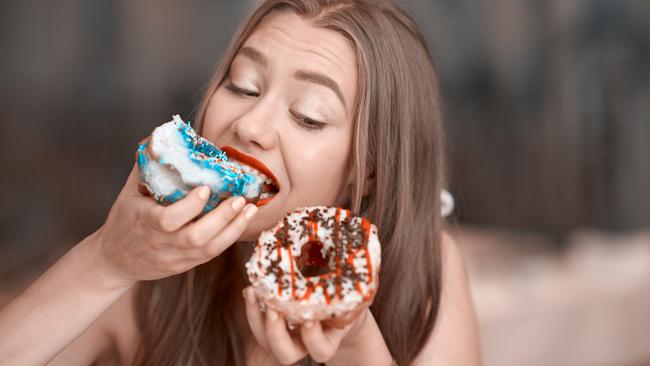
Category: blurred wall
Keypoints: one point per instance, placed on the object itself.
(548, 110)
(546, 105)
(83, 82)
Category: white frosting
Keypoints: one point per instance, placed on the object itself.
(168, 145)
(295, 299)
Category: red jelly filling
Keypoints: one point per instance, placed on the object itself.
(311, 261)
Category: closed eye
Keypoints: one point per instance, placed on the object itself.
(304, 121)
(308, 123)
(241, 91)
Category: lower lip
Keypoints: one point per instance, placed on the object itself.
(250, 161)
(264, 201)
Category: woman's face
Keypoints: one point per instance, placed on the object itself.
(288, 101)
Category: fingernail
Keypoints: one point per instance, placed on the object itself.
(309, 324)
(204, 192)
(238, 203)
(250, 211)
(272, 314)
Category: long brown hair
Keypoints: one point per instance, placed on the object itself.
(195, 317)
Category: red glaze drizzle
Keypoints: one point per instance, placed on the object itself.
(293, 274)
(365, 226)
(279, 246)
(337, 240)
(312, 283)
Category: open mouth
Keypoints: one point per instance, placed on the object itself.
(253, 166)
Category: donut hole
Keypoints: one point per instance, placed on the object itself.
(311, 261)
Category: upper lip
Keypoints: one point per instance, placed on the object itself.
(250, 161)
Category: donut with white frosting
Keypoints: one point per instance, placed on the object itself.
(319, 263)
(174, 159)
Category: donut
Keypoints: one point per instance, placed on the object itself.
(318, 263)
(174, 159)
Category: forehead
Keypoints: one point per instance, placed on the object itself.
(292, 44)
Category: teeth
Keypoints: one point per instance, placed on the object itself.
(261, 176)
(249, 169)
(265, 195)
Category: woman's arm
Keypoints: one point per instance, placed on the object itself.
(58, 307)
(455, 338)
(111, 339)
(140, 240)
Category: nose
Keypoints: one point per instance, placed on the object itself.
(256, 126)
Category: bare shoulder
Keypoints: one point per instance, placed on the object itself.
(455, 338)
(110, 340)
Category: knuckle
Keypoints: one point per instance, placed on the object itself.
(164, 222)
(211, 250)
(193, 238)
(177, 268)
(166, 263)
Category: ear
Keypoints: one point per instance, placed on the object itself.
(368, 186)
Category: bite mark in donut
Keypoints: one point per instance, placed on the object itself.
(174, 159)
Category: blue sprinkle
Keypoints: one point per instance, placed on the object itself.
(207, 156)
(171, 198)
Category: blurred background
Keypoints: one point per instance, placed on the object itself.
(547, 111)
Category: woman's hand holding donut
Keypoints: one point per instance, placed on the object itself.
(332, 345)
(142, 240)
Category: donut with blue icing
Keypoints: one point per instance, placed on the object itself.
(174, 159)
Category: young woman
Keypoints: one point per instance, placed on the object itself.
(338, 98)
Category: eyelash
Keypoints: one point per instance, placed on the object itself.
(237, 90)
(306, 122)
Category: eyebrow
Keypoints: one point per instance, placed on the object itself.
(308, 76)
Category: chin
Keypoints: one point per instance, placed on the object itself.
(268, 215)
(249, 236)
(260, 223)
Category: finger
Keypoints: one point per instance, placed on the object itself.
(171, 218)
(319, 347)
(133, 180)
(207, 227)
(142, 158)
(320, 344)
(230, 233)
(255, 317)
(286, 349)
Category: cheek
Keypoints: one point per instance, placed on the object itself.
(321, 174)
(217, 117)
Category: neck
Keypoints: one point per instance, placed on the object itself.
(244, 251)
